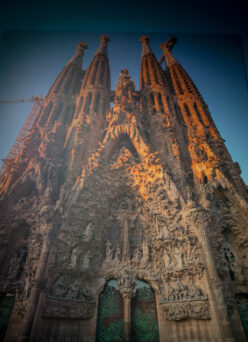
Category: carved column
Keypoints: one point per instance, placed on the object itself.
(126, 254)
(126, 288)
(215, 283)
(127, 315)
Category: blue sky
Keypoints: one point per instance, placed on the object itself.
(30, 62)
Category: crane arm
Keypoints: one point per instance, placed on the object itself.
(33, 99)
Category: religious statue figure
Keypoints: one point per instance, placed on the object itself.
(171, 293)
(136, 256)
(145, 252)
(109, 251)
(86, 261)
(167, 260)
(89, 231)
(73, 290)
(179, 258)
(76, 252)
(117, 254)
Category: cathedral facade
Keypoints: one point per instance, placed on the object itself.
(123, 222)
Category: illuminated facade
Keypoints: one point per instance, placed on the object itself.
(124, 222)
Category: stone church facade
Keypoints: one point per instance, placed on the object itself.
(124, 222)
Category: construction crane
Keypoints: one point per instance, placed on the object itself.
(24, 130)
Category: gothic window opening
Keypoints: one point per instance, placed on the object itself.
(178, 114)
(80, 105)
(56, 113)
(242, 305)
(68, 80)
(152, 102)
(187, 86)
(68, 116)
(101, 72)
(46, 113)
(235, 270)
(60, 81)
(6, 305)
(147, 71)
(187, 110)
(110, 319)
(93, 77)
(180, 90)
(169, 104)
(198, 114)
(160, 103)
(97, 102)
(144, 324)
(87, 103)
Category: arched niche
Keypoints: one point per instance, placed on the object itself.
(110, 319)
(144, 322)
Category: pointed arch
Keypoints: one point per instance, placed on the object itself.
(144, 325)
(110, 319)
(123, 140)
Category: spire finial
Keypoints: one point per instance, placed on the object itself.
(145, 44)
(77, 58)
(167, 47)
(144, 39)
(81, 46)
(104, 39)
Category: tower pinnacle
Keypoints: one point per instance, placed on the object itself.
(104, 39)
(167, 47)
(77, 58)
(145, 45)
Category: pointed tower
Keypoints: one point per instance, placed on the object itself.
(92, 104)
(166, 134)
(59, 103)
(48, 133)
(33, 181)
(209, 157)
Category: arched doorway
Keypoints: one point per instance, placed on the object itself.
(110, 322)
(144, 326)
(6, 306)
(242, 304)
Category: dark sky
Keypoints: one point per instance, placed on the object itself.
(30, 61)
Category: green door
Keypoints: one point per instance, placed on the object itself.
(6, 306)
(110, 322)
(242, 303)
(144, 314)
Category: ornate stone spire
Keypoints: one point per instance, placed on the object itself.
(98, 73)
(65, 88)
(150, 73)
(64, 83)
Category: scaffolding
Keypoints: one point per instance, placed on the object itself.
(24, 131)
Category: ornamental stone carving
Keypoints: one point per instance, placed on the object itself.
(188, 310)
(68, 309)
(185, 302)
